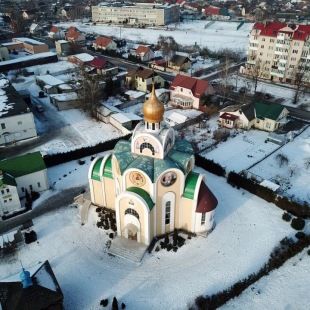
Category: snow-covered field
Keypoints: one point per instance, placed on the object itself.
(298, 153)
(247, 230)
(217, 36)
(241, 151)
(285, 288)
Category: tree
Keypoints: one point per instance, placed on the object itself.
(281, 159)
(168, 45)
(90, 92)
(307, 162)
(74, 49)
(114, 304)
(256, 71)
(293, 170)
(301, 79)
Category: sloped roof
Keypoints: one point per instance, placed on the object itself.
(54, 29)
(98, 63)
(228, 116)
(179, 60)
(7, 180)
(44, 293)
(142, 49)
(206, 199)
(268, 110)
(102, 41)
(141, 72)
(23, 165)
(197, 86)
(142, 193)
(190, 185)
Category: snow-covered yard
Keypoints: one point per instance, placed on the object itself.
(298, 154)
(247, 230)
(217, 36)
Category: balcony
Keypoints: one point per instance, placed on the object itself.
(281, 67)
(274, 67)
(251, 62)
(253, 41)
(279, 45)
(283, 61)
(279, 53)
(253, 48)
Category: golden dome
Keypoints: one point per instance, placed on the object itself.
(153, 110)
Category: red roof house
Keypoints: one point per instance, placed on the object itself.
(144, 53)
(104, 43)
(186, 92)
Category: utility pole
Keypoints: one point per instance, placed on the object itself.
(237, 80)
(120, 33)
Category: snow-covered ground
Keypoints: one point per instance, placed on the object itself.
(285, 288)
(217, 36)
(298, 154)
(247, 230)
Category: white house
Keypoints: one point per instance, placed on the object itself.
(18, 174)
(144, 53)
(16, 119)
(56, 33)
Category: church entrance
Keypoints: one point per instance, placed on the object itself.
(132, 232)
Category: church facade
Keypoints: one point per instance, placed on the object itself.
(150, 183)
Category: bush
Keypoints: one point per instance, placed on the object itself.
(104, 302)
(286, 217)
(298, 223)
(308, 252)
(209, 165)
(166, 238)
(34, 195)
(123, 306)
(115, 304)
(30, 237)
(157, 249)
(300, 235)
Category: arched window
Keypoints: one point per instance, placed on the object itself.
(132, 212)
(146, 145)
(168, 212)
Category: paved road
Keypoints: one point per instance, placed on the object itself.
(55, 202)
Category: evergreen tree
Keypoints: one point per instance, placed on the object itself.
(115, 304)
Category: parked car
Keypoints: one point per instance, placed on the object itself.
(242, 90)
(39, 108)
(268, 96)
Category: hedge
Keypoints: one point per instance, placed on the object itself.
(60, 158)
(209, 165)
(286, 250)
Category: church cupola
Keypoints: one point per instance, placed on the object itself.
(25, 278)
(153, 111)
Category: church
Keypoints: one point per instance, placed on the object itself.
(150, 183)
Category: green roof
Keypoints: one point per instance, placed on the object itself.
(161, 165)
(107, 169)
(144, 163)
(122, 146)
(183, 146)
(124, 159)
(96, 170)
(268, 110)
(7, 180)
(190, 185)
(143, 194)
(180, 158)
(23, 165)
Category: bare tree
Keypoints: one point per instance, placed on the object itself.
(224, 89)
(255, 72)
(293, 170)
(168, 45)
(90, 92)
(281, 159)
(301, 78)
(307, 162)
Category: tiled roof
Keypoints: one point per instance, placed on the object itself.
(197, 86)
(141, 73)
(268, 110)
(142, 50)
(54, 29)
(23, 165)
(206, 199)
(228, 116)
(102, 41)
(98, 63)
(300, 32)
(179, 60)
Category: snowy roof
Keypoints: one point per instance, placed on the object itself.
(121, 118)
(29, 41)
(158, 92)
(270, 185)
(50, 80)
(65, 96)
(30, 57)
(64, 87)
(134, 94)
(176, 118)
(84, 57)
(62, 41)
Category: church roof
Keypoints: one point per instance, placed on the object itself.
(177, 158)
(107, 170)
(190, 185)
(206, 199)
(142, 193)
(95, 173)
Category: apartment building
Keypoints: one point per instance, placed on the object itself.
(279, 52)
(136, 14)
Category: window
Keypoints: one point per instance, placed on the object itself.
(19, 122)
(132, 212)
(5, 201)
(30, 186)
(203, 218)
(10, 199)
(7, 190)
(293, 58)
(181, 89)
(268, 125)
(39, 184)
(295, 51)
(168, 212)
(2, 192)
(3, 126)
(262, 46)
(263, 39)
(23, 189)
